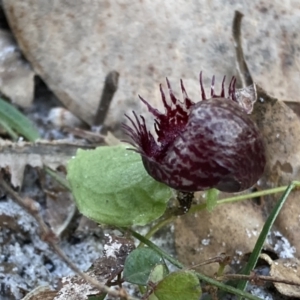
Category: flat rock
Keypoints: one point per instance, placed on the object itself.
(72, 45)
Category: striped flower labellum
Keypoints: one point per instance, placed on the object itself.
(209, 144)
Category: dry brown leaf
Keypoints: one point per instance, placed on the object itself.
(288, 221)
(280, 128)
(295, 106)
(73, 47)
(16, 75)
(231, 229)
(60, 210)
(15, 156)
(286, 269)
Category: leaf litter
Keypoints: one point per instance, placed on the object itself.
(280, 170)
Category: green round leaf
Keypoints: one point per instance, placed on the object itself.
(111, 186)
(139, 264)
(158, 273)
(180, 285)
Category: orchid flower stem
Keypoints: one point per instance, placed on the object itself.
(237, 198)
(168, 218)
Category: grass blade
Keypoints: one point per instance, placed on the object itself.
(14, 136)
(263, 235)
(17, 121)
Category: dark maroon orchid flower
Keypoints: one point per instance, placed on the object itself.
(209, 144)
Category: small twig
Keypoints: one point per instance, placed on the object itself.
(256, 278)
(241, 64)
(221, 259)
(109, 89)
(49, 237)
